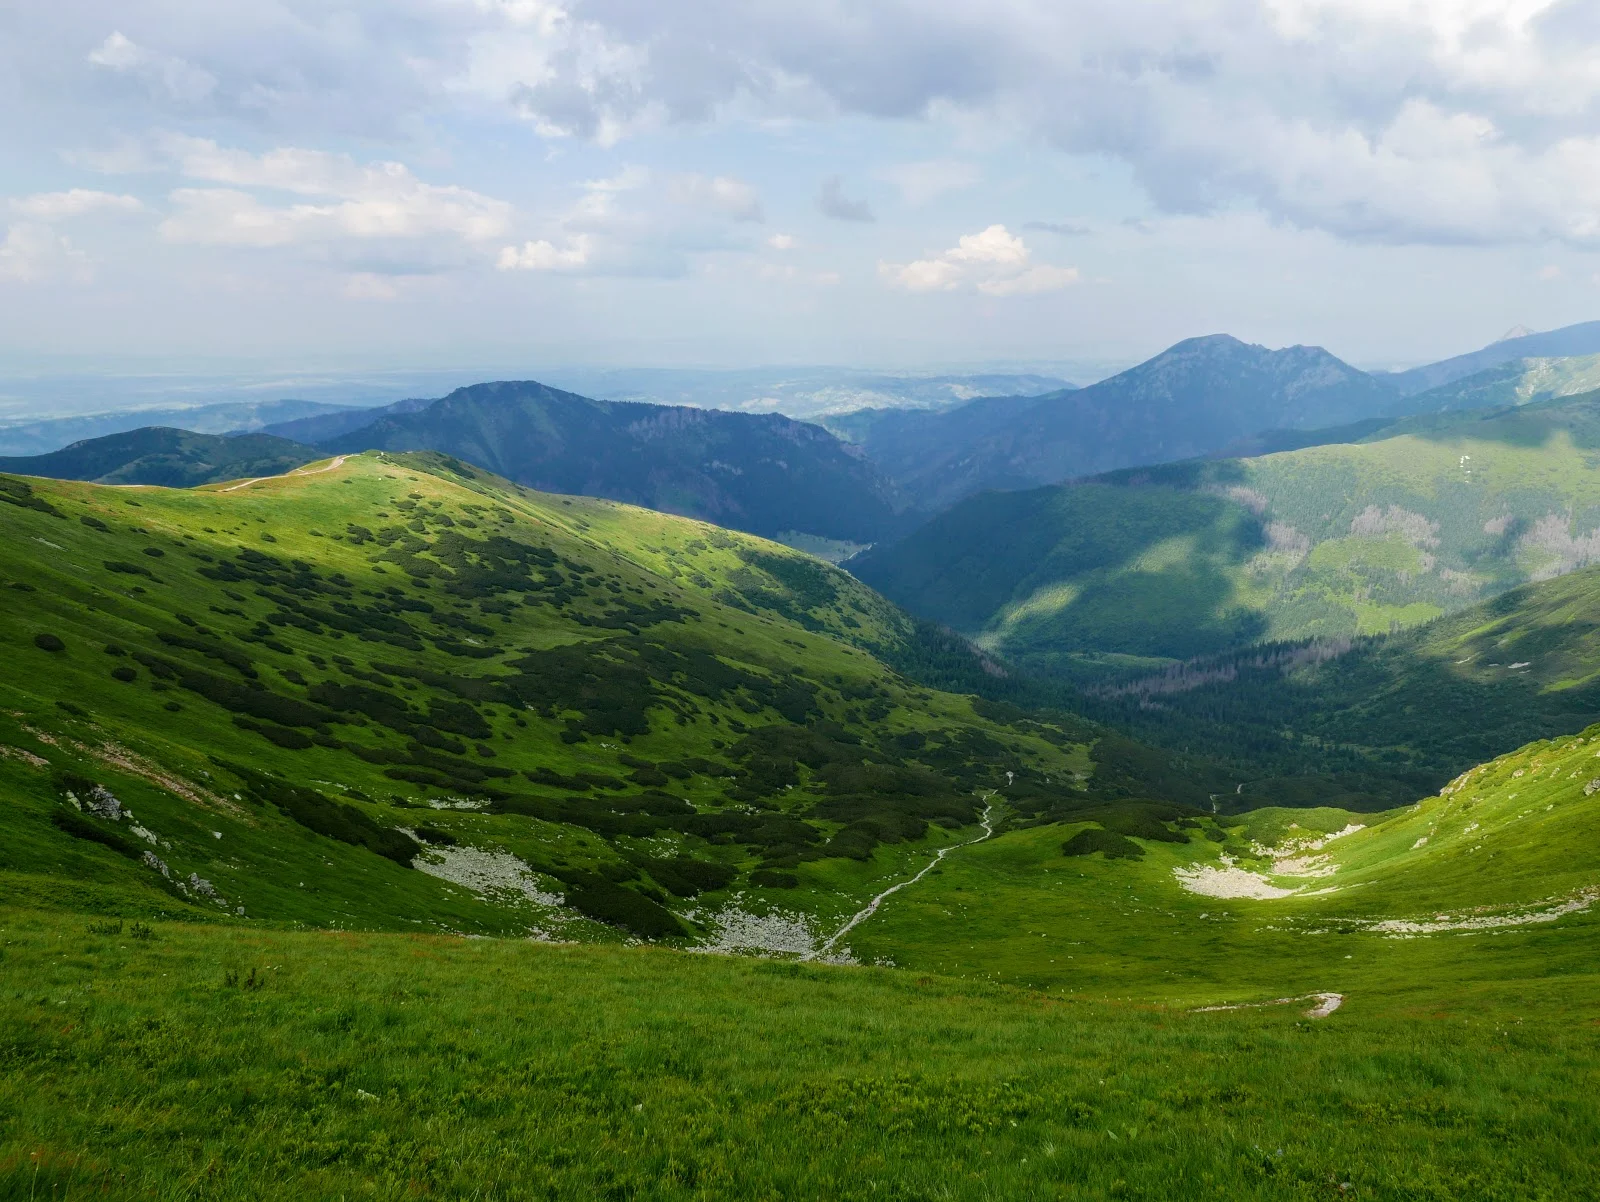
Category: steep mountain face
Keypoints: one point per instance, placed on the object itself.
(53, 434)
(1192, 399)
(1334, 541)
(761, 473)
(158, 455)
(1580, 339)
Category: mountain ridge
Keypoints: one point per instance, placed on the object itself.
(763, 473)
(1192, 399)
(165, 456)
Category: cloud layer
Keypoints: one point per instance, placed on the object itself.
(993, 261)
(1439, 120)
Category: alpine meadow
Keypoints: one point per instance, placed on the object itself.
(721, 602)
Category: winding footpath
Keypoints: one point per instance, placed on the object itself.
(871, 907)
(337, 463)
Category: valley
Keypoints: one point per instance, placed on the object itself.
(377, 823)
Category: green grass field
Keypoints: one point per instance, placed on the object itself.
(204, 1062)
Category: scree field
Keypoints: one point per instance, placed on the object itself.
(386, 830)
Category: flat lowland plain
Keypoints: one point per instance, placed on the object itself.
(201, 1061)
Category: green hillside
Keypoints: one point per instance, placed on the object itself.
(1275, 1005)
(1518, 382)
(337, 807)
(303, 684)
(1404, 711)
(160, 455)
(1422, 518)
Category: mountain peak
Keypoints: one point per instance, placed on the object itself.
(1514, 332)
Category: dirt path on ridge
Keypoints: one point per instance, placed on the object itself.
(337, 463)
(871, 907)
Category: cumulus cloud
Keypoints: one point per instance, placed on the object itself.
(32, 251)
(165, 74)
(635, 223)
(993, 261)
(544, 256)
(351, 200)
(921, 182)
(782, 242)
(54, 206)
(832, 202)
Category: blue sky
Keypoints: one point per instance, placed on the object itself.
(514, 182)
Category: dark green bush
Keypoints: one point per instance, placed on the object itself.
(1092, 839)
(326, 817)
(686, 876)
(48, 642)
(598, 898)
(284, 736)
(79, 827)
(765, 878)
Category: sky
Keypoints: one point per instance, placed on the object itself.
(915, 184)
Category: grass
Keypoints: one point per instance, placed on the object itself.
(283, 1008)
(214, 1063)
(277, 678)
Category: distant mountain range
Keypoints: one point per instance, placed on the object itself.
(1332, 541)
(760, 473)
(158, 455)
(768, 474)
(1192, 399)
(799, 392)
(806, 393)
(1580, 339)
(1514, 382)
(52, 434)
(320, 427)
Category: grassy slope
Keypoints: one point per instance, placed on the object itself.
(202, 1062)
(393, 1063)
(176, 581)
(1514, 383)
(1433, 700)
(1327, 541)
(159, 455)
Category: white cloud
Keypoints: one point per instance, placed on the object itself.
(994, 261)
(782, 242)
(353, 201)
(1428, 121)
(33, 252)
(921, 182)
(165, 74)
(544, 256)
(635, 224)
(724, 194)
(54, 206)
